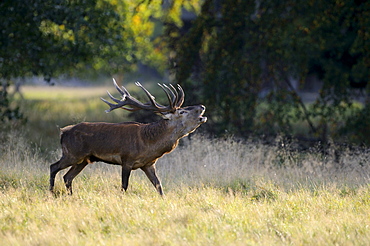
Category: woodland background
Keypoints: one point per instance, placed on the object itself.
(283, 159)
(292, 68)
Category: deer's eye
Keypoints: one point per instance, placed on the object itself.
(182, 112)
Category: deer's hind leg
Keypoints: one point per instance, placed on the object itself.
(72, 173)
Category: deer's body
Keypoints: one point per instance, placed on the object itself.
(131, 145)
(128, 143)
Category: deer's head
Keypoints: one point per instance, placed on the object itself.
(184, 120)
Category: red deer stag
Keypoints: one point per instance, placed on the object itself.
(131, 145)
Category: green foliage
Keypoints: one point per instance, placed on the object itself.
(7, 112)
(237, 56)
(357, 127)
(239, 51)
(48, 38)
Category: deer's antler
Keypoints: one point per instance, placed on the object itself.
(176, 99)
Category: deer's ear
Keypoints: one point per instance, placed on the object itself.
(166, 116)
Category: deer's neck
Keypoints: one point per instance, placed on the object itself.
(161, 130)
(155, 130)
(161, 134)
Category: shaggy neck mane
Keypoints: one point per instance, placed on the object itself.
(156, 130)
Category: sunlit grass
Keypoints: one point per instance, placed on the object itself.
(76, 93)
(217, 191)
(197, 216)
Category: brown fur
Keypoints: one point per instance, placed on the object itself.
(131, 145)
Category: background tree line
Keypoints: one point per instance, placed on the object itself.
(238, 57)
(238, 50)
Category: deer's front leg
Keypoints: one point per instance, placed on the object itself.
(152, 175)
(126, 171)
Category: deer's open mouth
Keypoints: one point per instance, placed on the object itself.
(202, 119)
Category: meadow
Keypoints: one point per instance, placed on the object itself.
(217, 191)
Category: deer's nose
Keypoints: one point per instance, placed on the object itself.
(202, 107)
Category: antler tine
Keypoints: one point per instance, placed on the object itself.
(176, 96)
(109, 104)
(115, 106)
(115, 99)
(126, 100)
(169, 97)
(123, 93)
(158, 106)
(182, 96)
(120, 103)
(132, 104)
(150, 96)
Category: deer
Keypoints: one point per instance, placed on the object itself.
(131, 145)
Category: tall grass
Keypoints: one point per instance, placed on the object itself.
(218, 192)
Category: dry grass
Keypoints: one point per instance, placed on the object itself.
(218, 192)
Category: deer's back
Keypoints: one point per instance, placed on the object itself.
(88, 138)
(113, 143)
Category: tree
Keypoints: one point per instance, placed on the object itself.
(47, 38)
(50, 37)
(244, 53)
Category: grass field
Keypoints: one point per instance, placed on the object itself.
(218, 192)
